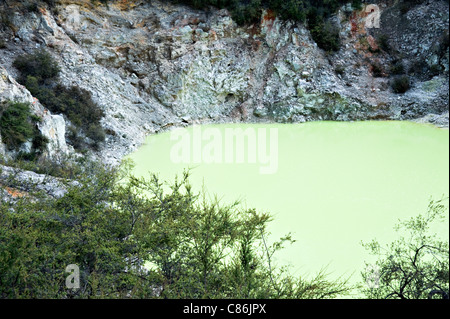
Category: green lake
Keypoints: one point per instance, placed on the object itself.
(331, 184)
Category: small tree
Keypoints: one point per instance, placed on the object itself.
(416, 266)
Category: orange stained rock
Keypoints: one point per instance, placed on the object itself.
(15, 193)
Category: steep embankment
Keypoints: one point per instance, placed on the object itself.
(151, 66)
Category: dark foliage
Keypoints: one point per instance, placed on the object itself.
(39, 64)
(18, 125)
(39, 73)
(376, 69)
(397, 68)
(383, 43)
(407, 5)
(400, 84)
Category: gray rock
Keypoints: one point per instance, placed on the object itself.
(25, 181)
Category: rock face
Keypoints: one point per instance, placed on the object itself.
(153, 65)
(16, 183)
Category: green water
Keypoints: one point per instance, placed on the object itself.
(332, 185)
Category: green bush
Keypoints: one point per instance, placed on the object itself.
(15, 125)
(51, 3)
(435, 69)
(77, 104)
(357, 4)
(418, 67)
(18, 125)
(6, 22)
(443, 43)
(246, 13)
(32, 7)
(400, 84)
(291, 9)
(38, 64)
(67, 167)
(326, 36)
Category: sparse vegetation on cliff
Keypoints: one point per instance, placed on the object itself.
(314, 13)
(18, 125)
(39, 73)
(400, 84)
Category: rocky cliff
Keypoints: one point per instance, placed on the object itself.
(151, 65)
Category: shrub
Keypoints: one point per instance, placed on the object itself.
(376, 69)
(397, 68)
(404, 8)
(383, 43)
(15, 126)
(39, 143)
(77, 104)
(326, 36)
(400, 84)
(292, 9)
(38, 90)
(18, 125)
(32, 7)
(435, 69)
(96, 133)
(74, 138)
(244, 13)
(444, 40)
(357, 4)
(443, 43)
(418, 67)
(38, 64)
(51, 3)
(5, 20)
